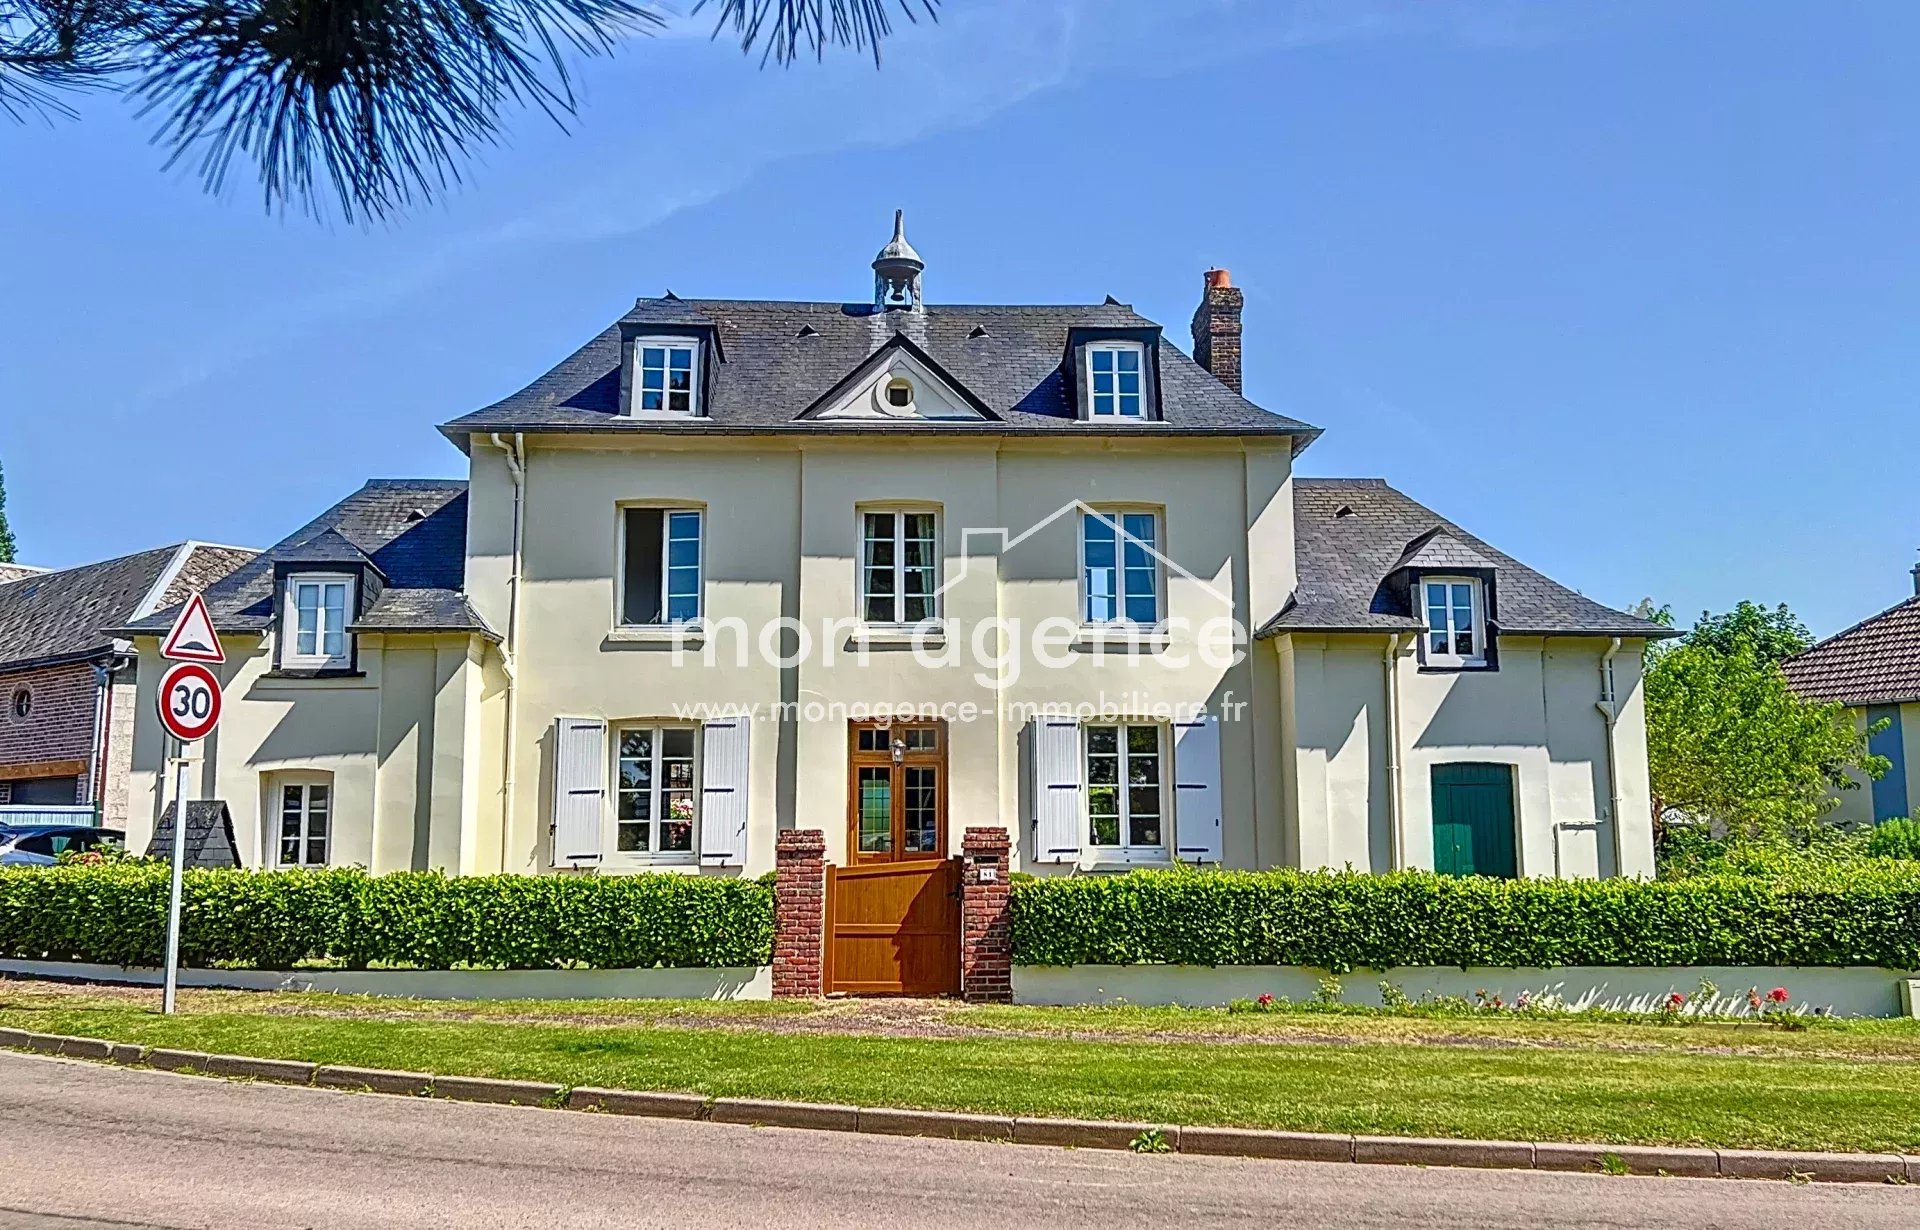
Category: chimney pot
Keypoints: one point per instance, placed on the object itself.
(1216, 328)
(1916, 580)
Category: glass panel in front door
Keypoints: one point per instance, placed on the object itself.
(923, 810)
(876, 809)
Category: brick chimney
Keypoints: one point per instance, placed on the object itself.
(1216, 328)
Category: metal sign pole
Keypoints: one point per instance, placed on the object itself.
(179, 866)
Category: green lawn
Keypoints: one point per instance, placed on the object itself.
(1839, 1085)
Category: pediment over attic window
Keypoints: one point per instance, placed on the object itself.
(1439, 551)
(900, 382)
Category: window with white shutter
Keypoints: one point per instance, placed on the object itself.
(1054, 749)
(579, 790)
(1196, 791)
(723, 788)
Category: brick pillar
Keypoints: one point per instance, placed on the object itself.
(799, 913)
(986, 918)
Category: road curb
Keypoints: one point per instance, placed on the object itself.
(1636, 1159)
(379, 1080)
(762, 1113)
(1073, 1133)
(633, 1102)
(488, 1089)
(282, 1071)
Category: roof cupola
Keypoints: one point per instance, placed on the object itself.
(896, 271)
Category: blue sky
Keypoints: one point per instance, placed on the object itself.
(1629, 289)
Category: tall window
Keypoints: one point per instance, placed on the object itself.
(661, 566)
(1126, 802)
(1113, 381)
(1122, 571)
(656, 807)
(899, 567)
(665, 369)
(1456, 633)
(319, 606)
(305, 828)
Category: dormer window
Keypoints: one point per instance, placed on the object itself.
(900, 393)
(1456, 621)
(665, 371)
(314, 622)
(1115, 384)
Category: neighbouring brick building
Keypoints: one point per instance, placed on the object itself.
(66, 687)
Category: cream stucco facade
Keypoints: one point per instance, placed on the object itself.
(415, 745)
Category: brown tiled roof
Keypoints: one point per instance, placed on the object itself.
(1877, 661)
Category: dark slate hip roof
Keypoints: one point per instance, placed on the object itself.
(1351, 534)
(413, 530)
(68, 614)
(779, 358)
(1875, 662)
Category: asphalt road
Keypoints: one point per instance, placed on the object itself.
(85, 1146)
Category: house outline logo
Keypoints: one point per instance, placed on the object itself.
(1008, 541)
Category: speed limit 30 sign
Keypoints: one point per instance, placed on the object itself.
(189, 701)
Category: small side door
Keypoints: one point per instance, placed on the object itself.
(1473, 820)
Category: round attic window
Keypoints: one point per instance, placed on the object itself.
(900, 393)
(22, 703)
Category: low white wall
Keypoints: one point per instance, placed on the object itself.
(1852, 991)
(746, 982)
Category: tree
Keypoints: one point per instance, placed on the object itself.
(1730, 743)
(1775, 635)
(381, 98)
(6, 531)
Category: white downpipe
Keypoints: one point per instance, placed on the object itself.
(1395, 824)
(516, 468)
(1609, 706)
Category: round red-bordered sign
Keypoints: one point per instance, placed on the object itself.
(189, 701)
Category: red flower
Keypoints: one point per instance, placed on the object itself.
(1265, 1000)
(1777, 996)
(1675, 1000)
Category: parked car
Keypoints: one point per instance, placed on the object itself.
(41, 845)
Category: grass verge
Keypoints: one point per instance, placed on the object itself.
(1384, 1076)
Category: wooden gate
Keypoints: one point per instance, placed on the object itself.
(894, 928)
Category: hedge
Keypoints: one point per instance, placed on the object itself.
(1340, 921)
(274, 919)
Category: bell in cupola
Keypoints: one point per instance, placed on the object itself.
(896, 271)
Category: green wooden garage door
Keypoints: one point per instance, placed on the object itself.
(1473, 820)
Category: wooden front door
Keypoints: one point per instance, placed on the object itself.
(896, 792)
(894, 928)
(1473, 820)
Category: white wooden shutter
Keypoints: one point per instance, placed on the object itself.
(723, 792)
(1055, 749)
(1196, 791)
(580, 772)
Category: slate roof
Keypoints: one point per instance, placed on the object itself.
(66, 614)
(1877, 661)
(413, 530)
(773, 369)
(1352, 533)
(209, 834)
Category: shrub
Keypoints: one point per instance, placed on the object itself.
(1866, 913)
(1895, 839)
(116, 914)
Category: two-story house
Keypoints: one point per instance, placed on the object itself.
(888, 569)
(67, 686)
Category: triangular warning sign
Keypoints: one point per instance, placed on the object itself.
(193, 638)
